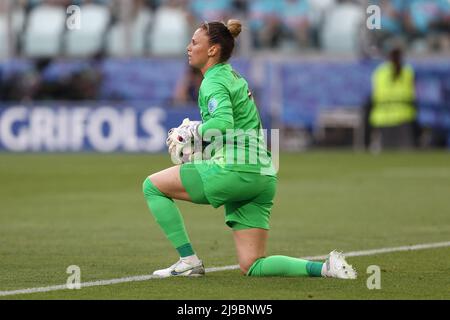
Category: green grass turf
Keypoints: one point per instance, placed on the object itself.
(88, 210)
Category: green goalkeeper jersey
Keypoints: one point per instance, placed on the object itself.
(230, 117)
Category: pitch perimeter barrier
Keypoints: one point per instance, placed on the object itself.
(56, 127)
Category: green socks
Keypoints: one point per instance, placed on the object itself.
(168, 217)
(285, 267)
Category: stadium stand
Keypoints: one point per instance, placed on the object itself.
(139, 56)
(331, 25)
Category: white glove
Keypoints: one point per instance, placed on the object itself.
(188, 130)
(178, 145)
(169, 133)
(183, 141)
(193, 127)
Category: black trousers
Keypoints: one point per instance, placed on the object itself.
(396, 137)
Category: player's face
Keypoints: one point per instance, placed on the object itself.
(197, 49)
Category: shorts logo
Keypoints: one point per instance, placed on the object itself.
(212, 105)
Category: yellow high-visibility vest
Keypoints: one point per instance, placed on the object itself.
(392, 99)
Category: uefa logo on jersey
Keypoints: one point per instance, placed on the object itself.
(212, 105)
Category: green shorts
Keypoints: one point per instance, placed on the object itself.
(247, 197)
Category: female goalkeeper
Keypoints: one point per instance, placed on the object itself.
(245, 188)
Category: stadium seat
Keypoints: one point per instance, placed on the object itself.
(17, 21)
(169, 35)
(45, 26)
(4, 48)
(318, 10)
(88, 40)
(340, 30)
(116, 44)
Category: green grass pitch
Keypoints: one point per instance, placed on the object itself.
(88, 210)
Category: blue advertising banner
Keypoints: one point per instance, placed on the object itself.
(98, 127)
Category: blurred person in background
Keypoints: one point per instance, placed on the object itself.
(211, 10)
(429, 20)
(392, 112)
(240, 7)
(317, 15)
(27, 85)
(296, 22)
(152, 4)
(186, 91)
(265, 23)
(392, 15)
(85, 83)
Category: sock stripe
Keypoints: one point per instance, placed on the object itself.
(314, 268)
(185, 250)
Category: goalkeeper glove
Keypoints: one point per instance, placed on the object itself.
(183, 141)
(193, 128)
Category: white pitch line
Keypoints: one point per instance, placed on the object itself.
(224, 268)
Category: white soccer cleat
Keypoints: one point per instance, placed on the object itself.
(336, 267)
(182, 268)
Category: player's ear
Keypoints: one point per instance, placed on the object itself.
(212, 51)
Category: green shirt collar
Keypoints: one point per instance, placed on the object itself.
(215, 67)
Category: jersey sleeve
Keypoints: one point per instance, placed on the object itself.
(218, 101)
